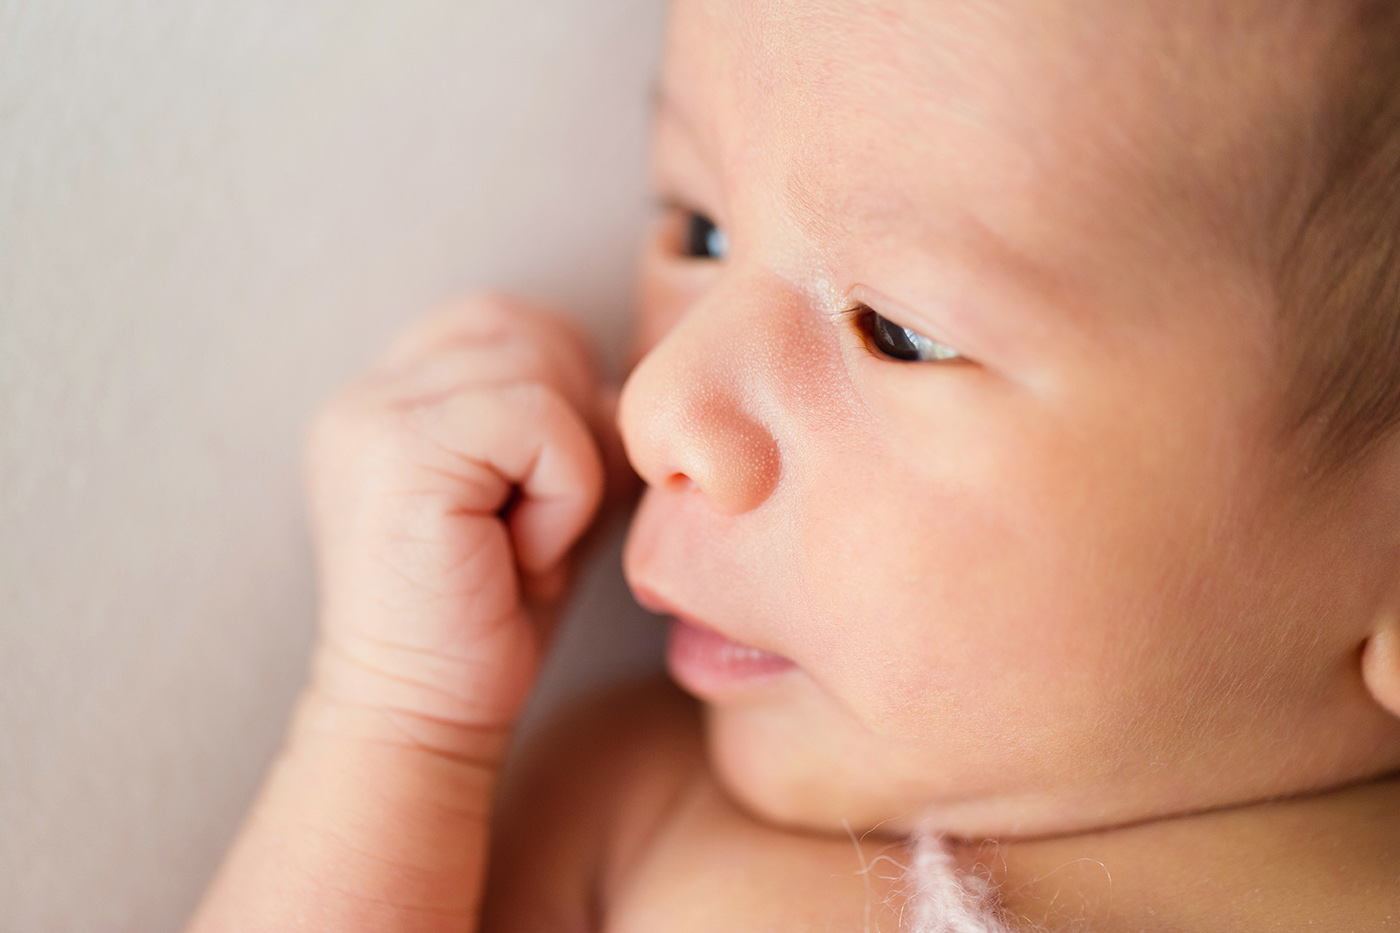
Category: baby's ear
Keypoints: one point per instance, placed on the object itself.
(1380, 663)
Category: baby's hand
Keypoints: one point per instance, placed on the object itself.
(448, 488)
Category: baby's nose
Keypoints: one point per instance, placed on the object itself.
(690, 412)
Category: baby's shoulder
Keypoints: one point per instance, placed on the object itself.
(614, 824)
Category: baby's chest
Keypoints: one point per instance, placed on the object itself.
(712, 869)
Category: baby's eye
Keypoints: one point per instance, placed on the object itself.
(901, 343)
(701, 239)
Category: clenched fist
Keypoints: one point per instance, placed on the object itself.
(447, 490)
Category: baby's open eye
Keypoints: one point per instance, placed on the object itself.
(901, 343)
(701, 239)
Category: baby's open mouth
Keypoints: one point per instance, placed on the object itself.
(707, 663)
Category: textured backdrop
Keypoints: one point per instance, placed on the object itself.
(211, 214)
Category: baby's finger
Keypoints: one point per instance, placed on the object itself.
(534, 440)
(479, 317)
(531, 342)
(465, 366)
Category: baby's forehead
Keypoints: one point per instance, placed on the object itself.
(781, 41)
(866, 111)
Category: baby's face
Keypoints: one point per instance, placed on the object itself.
(970, 426)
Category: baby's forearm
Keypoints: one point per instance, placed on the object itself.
(368, 821)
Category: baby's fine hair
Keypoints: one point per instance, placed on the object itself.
(1338, 271)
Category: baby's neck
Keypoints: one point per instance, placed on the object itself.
(1332, 860)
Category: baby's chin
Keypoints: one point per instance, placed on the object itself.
(790, 783)
(798, 764)
(783, 774)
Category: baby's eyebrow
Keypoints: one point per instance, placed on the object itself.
(808, 209)
(666, 107)
(664, 104)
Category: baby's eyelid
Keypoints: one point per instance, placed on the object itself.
(684, 206)
(894, 341)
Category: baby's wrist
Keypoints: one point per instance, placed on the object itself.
(445, 703)
(400, 736)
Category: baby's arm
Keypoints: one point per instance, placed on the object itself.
(447, 490)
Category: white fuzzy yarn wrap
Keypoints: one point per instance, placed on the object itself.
(944, 900)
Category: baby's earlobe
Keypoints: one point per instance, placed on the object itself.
(1380, 664)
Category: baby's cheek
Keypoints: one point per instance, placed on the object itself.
(911, 597)
(970, 594)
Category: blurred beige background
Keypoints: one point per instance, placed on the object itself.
(211, 214)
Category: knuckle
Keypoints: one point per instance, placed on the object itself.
(488, 339)
(338, 417)
(487, 314)
(527, 359)
(534, 323)
(482, 318)
(326, 432)
(350, 430)
(565, 333)
(578, 339)
(536, 401)
(523, 407)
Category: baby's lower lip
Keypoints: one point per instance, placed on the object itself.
(707, 663)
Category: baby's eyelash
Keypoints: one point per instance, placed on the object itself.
(892, 341)
(694, 235)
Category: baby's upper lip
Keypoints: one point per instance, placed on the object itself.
(652, 601)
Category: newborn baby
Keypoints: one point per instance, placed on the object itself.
(1016, 407)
